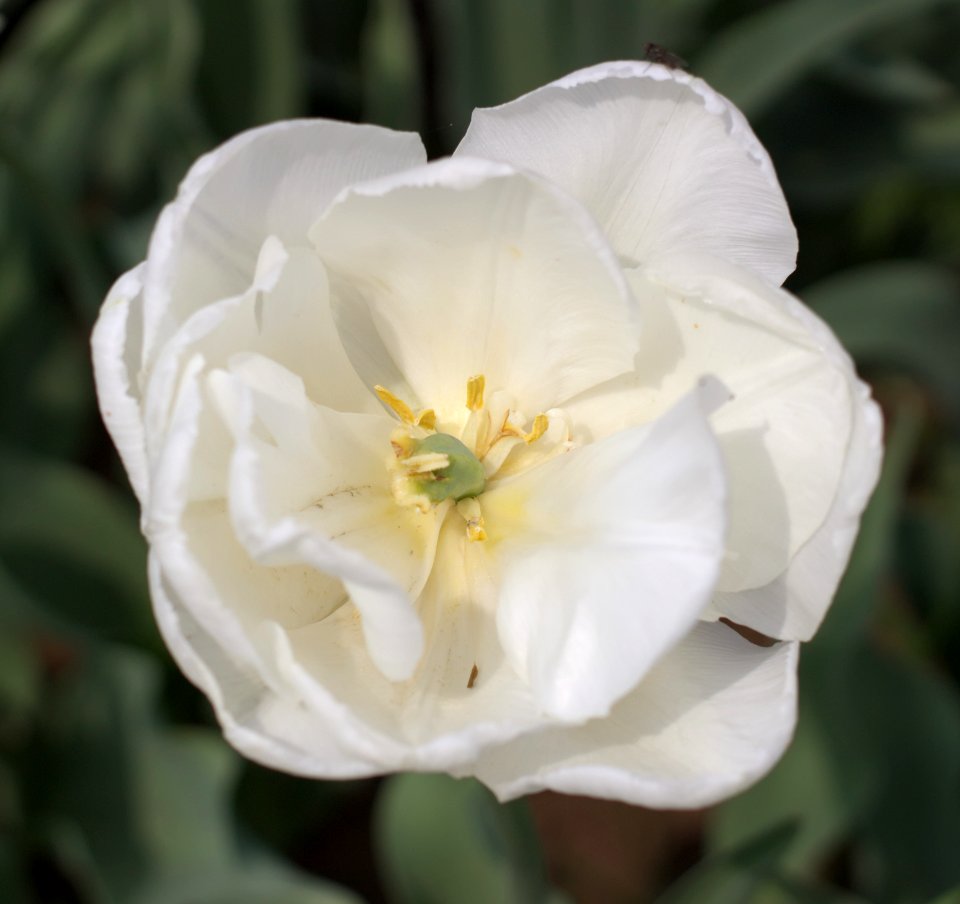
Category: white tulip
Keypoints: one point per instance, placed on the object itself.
(457, 465)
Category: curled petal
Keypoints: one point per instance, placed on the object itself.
(663, 162)
(309, 486)
(464, 267)
(608, 555)
(795, 602)
(284, 314)
(711, 718)
(273, 180)
(116, 346)
(463, 696)
(785, 435)
(266, 723)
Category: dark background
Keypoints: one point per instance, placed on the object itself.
(115, 786)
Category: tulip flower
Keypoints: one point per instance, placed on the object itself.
(457, 466)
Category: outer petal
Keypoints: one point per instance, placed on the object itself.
(713, 716)
(608, 556)
(274, 180)
(116, 345)
(663, 162)
(268, 725)
(795, 603)
(844, 452)
(285, 314)
(465, 267)
(230, 613)
(785, 435)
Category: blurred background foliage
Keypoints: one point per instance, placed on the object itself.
(115, 786)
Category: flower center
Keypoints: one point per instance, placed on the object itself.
(431, 466)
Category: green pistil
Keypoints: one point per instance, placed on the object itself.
(463, 478)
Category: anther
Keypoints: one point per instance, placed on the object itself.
(427, 419)
(398, 406)
(540, 424)
(475, 387)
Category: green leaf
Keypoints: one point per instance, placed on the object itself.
(948, 897)
(751, 873)
(71, 541)
(904, 847)
(802, 790)
(756, 58)
(734, 876)
(136, 811)
(897, 314)
(185, 779)
(19, 678)
(440, 839)
(929, 548)
(247, 886)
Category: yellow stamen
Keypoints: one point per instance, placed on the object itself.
(540, 424)
(399, 407)
(475, 387)
(427, 419)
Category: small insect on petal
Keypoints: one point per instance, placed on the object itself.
(657, 54)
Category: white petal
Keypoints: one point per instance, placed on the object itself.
(295, 327)
(793, 605)
(465, 267)
(662, 161)
(222, 613)
(608, 554)
(284, 314)
(711, 718)
(785, 433)
(266, 724)
(116, 346)
(274, 180)
(436, 720)
(310, 486)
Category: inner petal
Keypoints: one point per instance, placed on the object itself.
(308, 486)
(606, 556)
(463, 695)
(465, 267)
